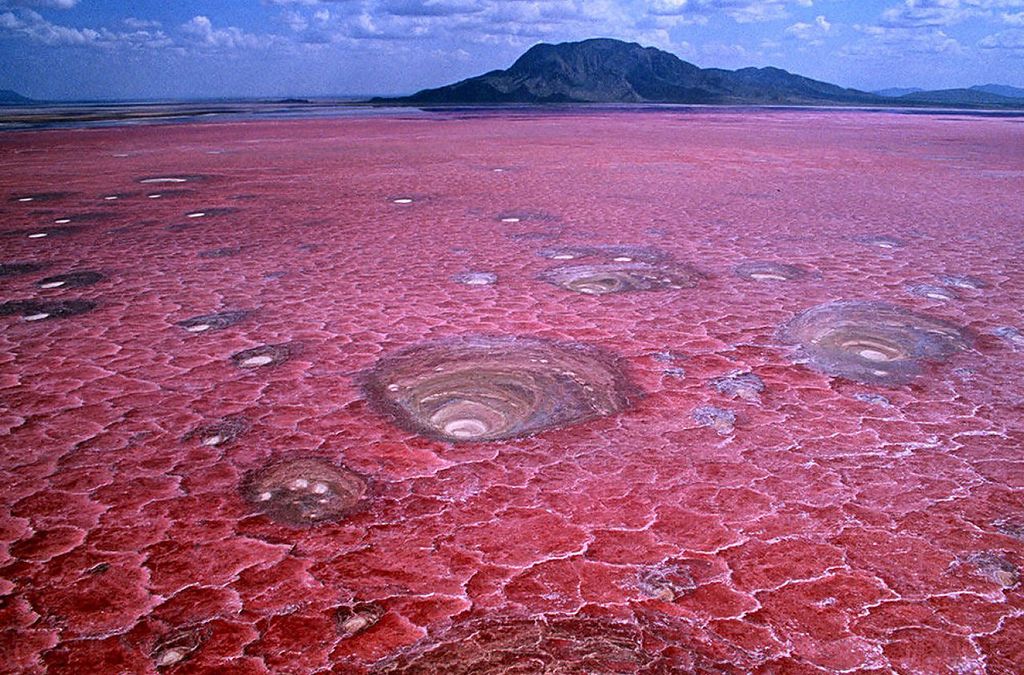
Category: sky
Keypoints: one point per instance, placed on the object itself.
(181, 49)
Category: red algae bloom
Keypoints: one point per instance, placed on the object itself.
(482, 388)
(871, 342)
(305, 492)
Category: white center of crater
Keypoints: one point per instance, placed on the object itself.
(37, 235)
(36, 317)
(198, 328)
(873, 355)
(52, 284)
(466, 428)
(255, 361)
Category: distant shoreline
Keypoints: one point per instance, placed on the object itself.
(90, 115)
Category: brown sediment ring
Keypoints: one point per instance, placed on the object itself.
(872, 342)
(306, 491)
(620, 277)
(483, 388)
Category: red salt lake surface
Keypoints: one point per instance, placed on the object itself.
(239, 437)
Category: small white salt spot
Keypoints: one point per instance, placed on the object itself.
(216, 439)
(393, 387)
(37, 235)
(254, 361)
(563, 256)
(264, 496)
(52, 284)
(477, 281)
(26, 199)
(767, 276)
(62, 221)
(198, 328)
(120, 154)
(169, 658)
(165, 180)
(299, 484)
(36, 317)
(155, 196)
(197, 214)
(403, 200)
(497, 170)
(936, 296)
(623, 258)
(510, 220)
(110, 198)
(884, 244)
(320, 488)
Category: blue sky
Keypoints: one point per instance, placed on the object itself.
(113, 49)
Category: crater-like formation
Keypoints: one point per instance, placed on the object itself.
(71, 280)
(476, 278)
(14, 269)
(964, 281)
(306, 492)
(212, 212)
(491, 388)
(38, 310)
(358, 618)
(932, 292)
(746, 386)
(225, 252)
(48, 231)
(512, 645)
(620, 277)
(176, 648)
(217, 433)
(871, 342)
(87, 217)
(881, 241)
(218, 321)
(264, 355)
(176, 179)
(769, 271)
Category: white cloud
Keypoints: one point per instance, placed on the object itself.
(29, 24)
(810, 32)
(200, 29)
(1010, 40)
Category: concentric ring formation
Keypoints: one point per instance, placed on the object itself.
(492, 388)
(872, 342)
(620, 277)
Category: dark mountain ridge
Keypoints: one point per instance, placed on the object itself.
(603, 70)
(9, 97)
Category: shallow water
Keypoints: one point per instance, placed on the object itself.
(301, 396)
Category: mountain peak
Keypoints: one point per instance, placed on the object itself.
(606, 70)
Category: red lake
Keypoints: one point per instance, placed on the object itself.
(592, 391)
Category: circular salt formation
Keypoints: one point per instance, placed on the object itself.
(71, 280)
(871, 342)
(305, 492)
(933, 292)
(881, 241)
(769, 271)
(968, 282)
(172, 180)
(620, 278)
(218, 433)
(492, 388)
(358, 618)
(37, 310)
(550, 645)
(40, 197)
(178, 647)
(266, 355)
(207, 322)
(476, 278)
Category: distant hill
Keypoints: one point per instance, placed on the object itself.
(611, 71)
(897, 91)
(1000, 90)
(8, 97)
(972, 97)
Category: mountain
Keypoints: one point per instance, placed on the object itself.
(8, 97)
(970, 97)
(1000, 90)
(897, 91)
(611, 71)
